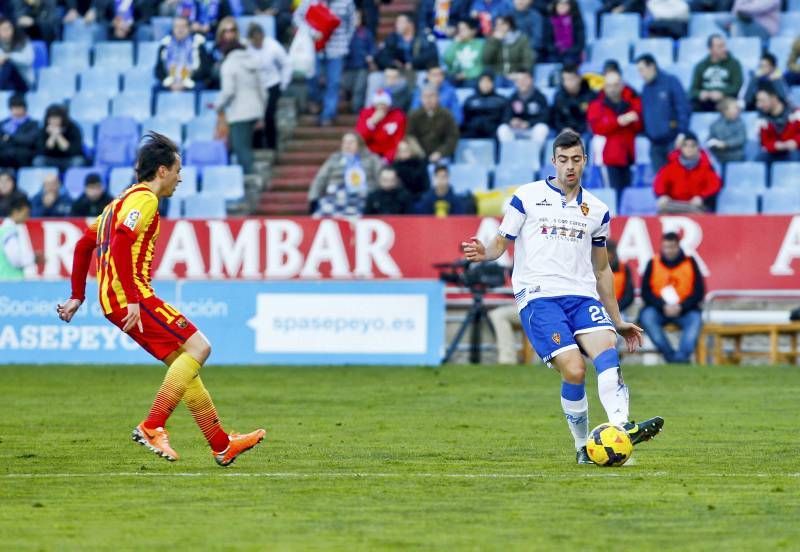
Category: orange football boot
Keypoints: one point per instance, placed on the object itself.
(237, 445)
(156, 440)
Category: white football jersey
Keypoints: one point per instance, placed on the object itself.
(553, 241)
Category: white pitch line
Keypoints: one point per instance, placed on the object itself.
(383, 475)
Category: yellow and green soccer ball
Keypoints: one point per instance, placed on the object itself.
(609, 445)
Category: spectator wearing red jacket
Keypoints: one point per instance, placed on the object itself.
(382, 126)
(688, 182)
(616, 115)
(779, 125)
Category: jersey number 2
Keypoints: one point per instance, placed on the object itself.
(599, 314)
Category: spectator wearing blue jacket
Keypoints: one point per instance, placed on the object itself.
(530, 23)
(441, 200)
(665, 109)
(447, 93)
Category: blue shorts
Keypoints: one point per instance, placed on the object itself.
(551, 323)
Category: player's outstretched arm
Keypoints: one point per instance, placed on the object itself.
(476, 251)
(605, 289)
(81, 259)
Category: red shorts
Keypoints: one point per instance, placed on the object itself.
(165, 329)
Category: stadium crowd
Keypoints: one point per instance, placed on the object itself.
(686, 106)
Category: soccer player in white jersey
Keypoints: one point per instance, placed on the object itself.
(564, 289)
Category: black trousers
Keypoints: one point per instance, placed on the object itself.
(270, 120)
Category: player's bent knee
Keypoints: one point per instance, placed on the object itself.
(198, 347)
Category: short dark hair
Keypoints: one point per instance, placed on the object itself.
(768, 88)
(441, 168)
(56, 110)
(254, 30)
(689, 135)
(155, 151)
(17, 100)
(471, 22)
(568, 139)
(570, 68)
(647, 59)
(671, 236)
(93, 178)
(509, 21)
(611, 66)
(770, 57)
(711, 38)
(18, 202)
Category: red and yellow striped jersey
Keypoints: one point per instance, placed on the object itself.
(136, 213)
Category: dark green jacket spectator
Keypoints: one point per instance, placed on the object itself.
(513, 54)
(725, 76)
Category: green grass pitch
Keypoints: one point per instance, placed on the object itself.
(454, 458)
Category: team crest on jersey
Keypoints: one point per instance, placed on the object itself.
(556, 338)
(585, 208)
(181, 323)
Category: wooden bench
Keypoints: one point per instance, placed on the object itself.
(713, 335)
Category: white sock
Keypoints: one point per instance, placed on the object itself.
(614, 395)
(577, 415)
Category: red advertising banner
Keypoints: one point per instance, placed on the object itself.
(757, 252)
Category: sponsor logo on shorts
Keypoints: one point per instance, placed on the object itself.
(130, 220)
(181, 323)
(556, 338)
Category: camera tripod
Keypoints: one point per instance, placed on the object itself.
(476, 315)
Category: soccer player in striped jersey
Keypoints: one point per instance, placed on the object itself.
(564, 288)
(124, 237)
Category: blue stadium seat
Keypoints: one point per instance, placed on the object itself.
(174, 207)
(442, 44)
(781, 201)
(747, 49)
(29, 179)
(512, 175)
(132, 104)
(659, 48)
(170, 128)
(100, 80)
(468, 178)
(70, 55)
(146, 53)
(75, 179)
(188, 185)
(785, 174)
(609, 197)
(205, 99)
(205, 207)
(267, 23)
(691, 50)
(750, 120)
(40, 56)
(475, 151)
(201, 128)
(642, 150)
(207, 152)
(637, 201)
(737, 201)
(162, 26)
(624, 26)
(752, 150)
(178, 106)
(631, 76)
(704, 24)
(794, 95)
(683, 72)
(780, 46)
(589, 26)
(88, 130)
(546, 171)
(463, 94)
(119, 179)
(114, 55)
(139, 79)
(700, 124)
(610, 48)
(38, 102)
(89, 108)
(793, 6)
(57, 82)
(547, 74)
(789, 23)
(751, 175)
(644, 175)
(518, 152)
(549, 93)
(79, 31)
(4, 97)
(225, 181)
(117, 140)
(505, 91)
